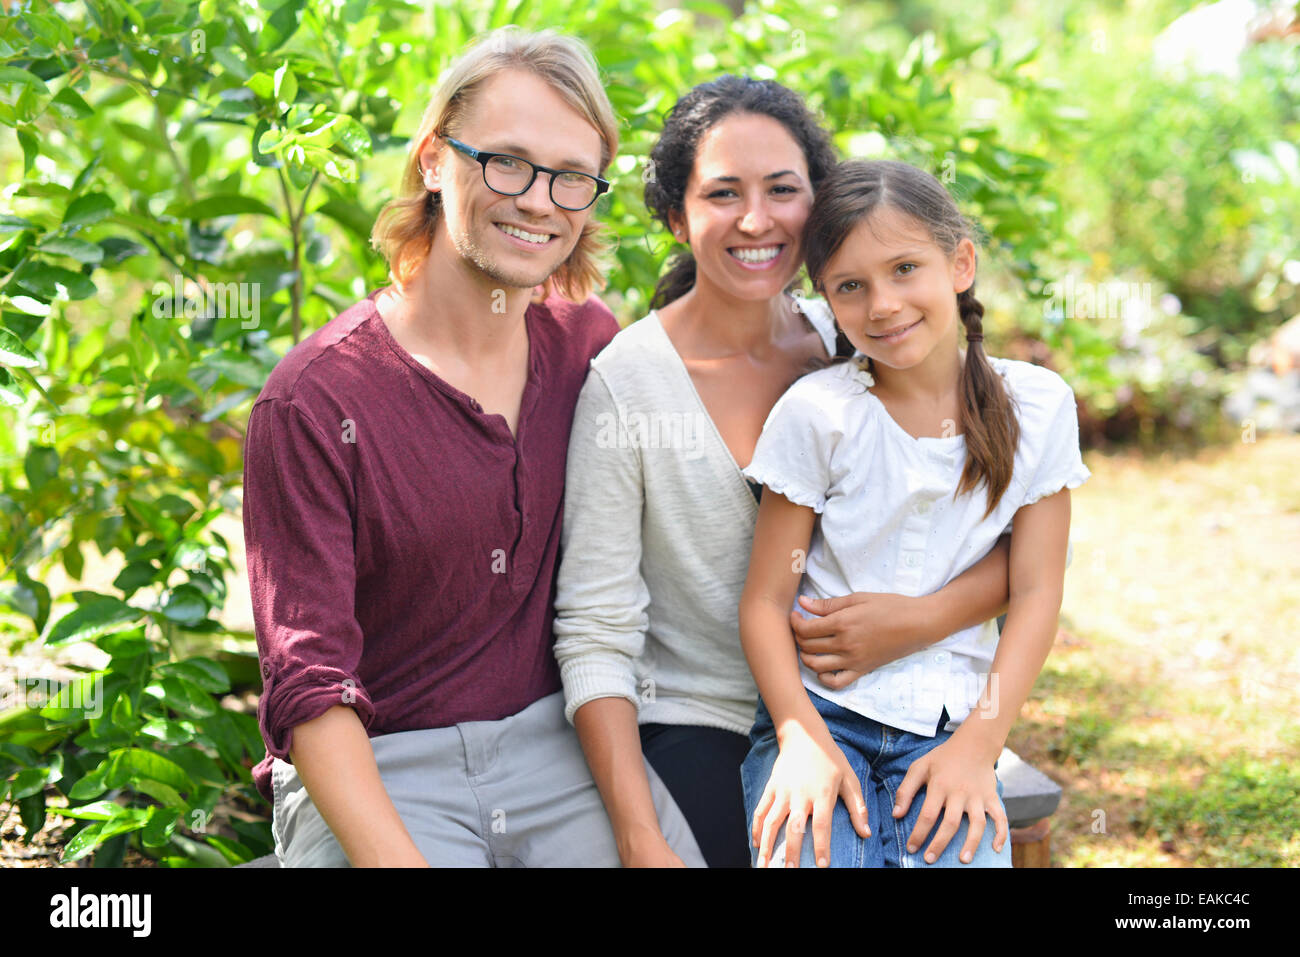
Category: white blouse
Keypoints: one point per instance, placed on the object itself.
(888, 520)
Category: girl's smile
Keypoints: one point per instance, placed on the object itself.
(897, 334)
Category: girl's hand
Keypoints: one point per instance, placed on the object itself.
(856, 634)
(958, 779)
(809, 775)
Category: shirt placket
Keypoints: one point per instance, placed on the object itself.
(928, 480)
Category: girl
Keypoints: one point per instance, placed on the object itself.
(895, 472)
(658, 518)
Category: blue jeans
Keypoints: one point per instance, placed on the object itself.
(880, 755)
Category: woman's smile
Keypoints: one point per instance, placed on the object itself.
(758, 257)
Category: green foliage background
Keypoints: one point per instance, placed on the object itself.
(174, 144)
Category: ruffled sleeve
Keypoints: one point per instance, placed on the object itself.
(794, 454)
(1060, 464)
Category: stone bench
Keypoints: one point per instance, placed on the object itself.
(1030, 797)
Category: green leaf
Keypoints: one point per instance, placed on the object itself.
(262, 84)
(90, 786)
(280, 26)
(99, 615)
(99, 811)
(116, 249)
(286, 87)
(24, 323)
(204, 672)
(27, 783)
(88, 209)
(199, 766)
(187, 698)
(96, 833)
(31, 810)
(12, 224)
(185, 605)
(224, 205)
(74, 563)
(83, 842)
(19, 76)
(192, 452)
(233, 851)
(134, 577)
(200, 854)
(200, 156)
(40, 466)
(29, 597)
(128, 765)
(14, 353)
(78, 700)
(31, 150)
(78, 249)
(162, 793)
(10, 394)
(86, 172)
(354, 136)
(159, 827)
(350, 215)
(71, 105)
(48, 282)
(171, 733)
(239, 369)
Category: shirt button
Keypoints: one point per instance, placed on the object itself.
(912, 560)
(266, 669)
(941, 658)
(922, 508)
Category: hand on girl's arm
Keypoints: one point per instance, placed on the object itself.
(958, 775)
(811, 772)
(858, 633)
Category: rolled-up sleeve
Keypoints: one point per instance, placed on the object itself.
(601, 598)
(298, 532)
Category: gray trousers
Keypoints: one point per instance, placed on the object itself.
(510, 793)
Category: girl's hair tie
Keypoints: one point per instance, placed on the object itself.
(975, 337)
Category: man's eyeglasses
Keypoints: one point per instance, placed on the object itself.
(513, 176)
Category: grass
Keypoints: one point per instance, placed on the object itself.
(1168, 708)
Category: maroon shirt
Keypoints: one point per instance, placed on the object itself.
(402, 545)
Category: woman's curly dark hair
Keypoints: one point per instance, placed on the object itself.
(673, 156)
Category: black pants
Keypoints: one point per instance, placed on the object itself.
(701, 768)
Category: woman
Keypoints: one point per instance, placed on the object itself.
(658, 518)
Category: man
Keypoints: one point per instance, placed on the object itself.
(403, 485)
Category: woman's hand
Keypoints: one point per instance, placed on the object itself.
(809, 775)
(958, 778)
(858, 633)
(647, 847)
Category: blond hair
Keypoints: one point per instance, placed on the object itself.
(404, 229)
